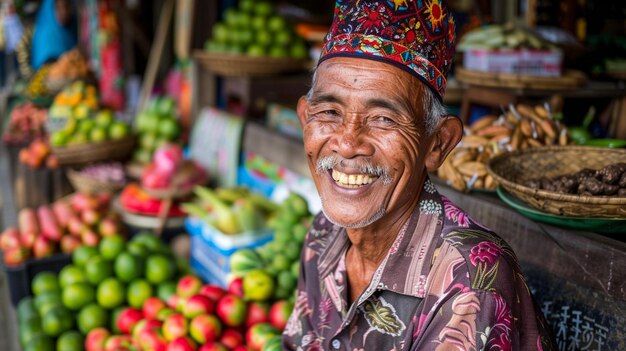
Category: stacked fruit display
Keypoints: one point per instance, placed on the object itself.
(193, 316)
(90, 297)
(36, 87)
(520, 127)
(102, 126)
(78, 100)
(231, 210)
(155, 125)
(62, 226)
(255, 29)
(26, 123)
(271, 271)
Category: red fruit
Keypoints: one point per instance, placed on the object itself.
(103, 200)
(279, 314)
(128, 318)
(83, 201)
(90, 238)
(75, 226)
(48, 223)
(242, 348)
(236, 286)
(10, 238)
(259, 334)
(96, 338)
(213, 292)
(175, 326)
(27, 239)
(232, 310)
(188, 285)
(181, 343)
(152, 306)
(205, 328)
(43, 247)
(213, 346)
(173, 301)
(108, 227)
(151, 339)
(231, 338)
(117, 343)
(258, 312)
(69, 243)
(146, 324)
(15, 256)
(90, 216)
(168, 158)
(198, 304)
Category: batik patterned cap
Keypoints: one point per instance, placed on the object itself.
(415, 35)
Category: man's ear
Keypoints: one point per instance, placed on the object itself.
(448, 134)
(301, 110)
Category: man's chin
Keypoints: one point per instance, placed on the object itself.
(352, 221)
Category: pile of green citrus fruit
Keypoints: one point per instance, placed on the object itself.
(271, 271)
(155, 125)
(92, 291)
(102, 126)
(254, 28)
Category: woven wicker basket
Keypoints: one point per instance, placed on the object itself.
(110, 150)
(86, 184)
(246, 66)
(511, 170)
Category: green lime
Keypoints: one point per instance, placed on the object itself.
(40, 342)
(97, 134)
(26, 308)
(46, 301)
(137, 249)
(295, 269)
(111, 246)
(82, 254)
(280, 262)
(86, 125)
(169, 128)
(57, 321)
(128, 267)
(166, 290)
(71, 341)
(138, 291)
(58, 138)
(282, 235)
(71, 274)
(286, 280)
(78, 295)
(160, 268)
(118, 130)
(29, 329)
(114, 316)
(98, 269)
(149, 240)
(45, 282)
(92, 316)
(292, 250)
(110, 293)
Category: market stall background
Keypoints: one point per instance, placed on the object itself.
(191, 91)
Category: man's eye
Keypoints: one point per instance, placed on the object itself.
(384, 119)
(332, 113)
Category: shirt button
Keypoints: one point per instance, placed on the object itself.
(336, 344)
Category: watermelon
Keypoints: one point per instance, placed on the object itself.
(244, 261)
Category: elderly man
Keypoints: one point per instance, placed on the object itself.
(391, 264)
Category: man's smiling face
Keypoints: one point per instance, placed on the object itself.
(364, 137)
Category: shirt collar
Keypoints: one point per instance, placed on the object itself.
(407, 264)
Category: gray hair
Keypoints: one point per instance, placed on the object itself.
(433, 107)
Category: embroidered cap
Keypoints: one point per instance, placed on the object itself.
(415, 35)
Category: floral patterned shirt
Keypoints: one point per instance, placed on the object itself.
(447, 283)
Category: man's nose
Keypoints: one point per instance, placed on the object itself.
(353, 141)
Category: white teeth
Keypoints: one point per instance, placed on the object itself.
(352, 180)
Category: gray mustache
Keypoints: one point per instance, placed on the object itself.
(329, 162)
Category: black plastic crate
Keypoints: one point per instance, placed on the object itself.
(20, 277)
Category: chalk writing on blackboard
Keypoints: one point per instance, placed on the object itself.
(574, 329)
